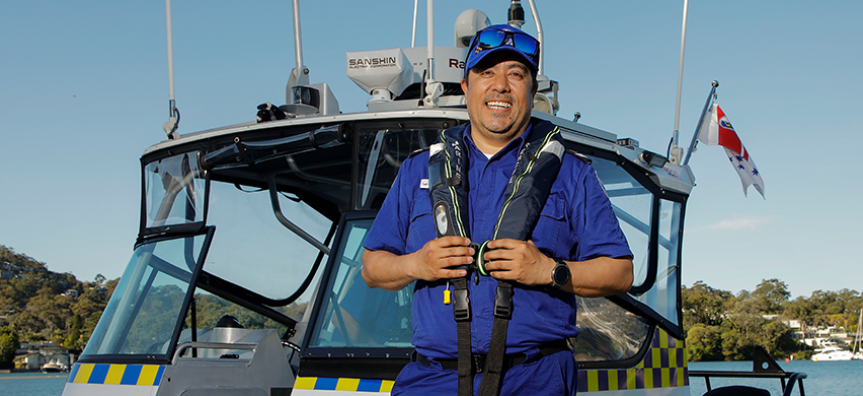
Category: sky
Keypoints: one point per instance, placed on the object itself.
(84, 91)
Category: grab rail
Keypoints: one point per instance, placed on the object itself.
(763, 366)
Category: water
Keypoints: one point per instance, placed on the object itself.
(824, 378)
(32, 384)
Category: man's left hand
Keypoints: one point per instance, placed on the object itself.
(518, 261)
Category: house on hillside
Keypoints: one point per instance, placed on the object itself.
(32, 357)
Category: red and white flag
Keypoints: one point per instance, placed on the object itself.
(718, 131)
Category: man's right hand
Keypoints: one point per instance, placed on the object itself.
(438, 257)
(434, 261)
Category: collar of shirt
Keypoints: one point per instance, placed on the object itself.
(514, 144)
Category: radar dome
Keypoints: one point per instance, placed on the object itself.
(467, 24)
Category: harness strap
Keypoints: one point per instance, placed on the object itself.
(448, 193)
(461, 311)
(490, 385)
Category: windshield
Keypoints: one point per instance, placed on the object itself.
(252, 249)
(144, 310)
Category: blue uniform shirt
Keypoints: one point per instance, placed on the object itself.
(577, 223)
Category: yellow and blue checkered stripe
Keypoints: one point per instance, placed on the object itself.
(116, 374)
(664, 366)
(344, 384)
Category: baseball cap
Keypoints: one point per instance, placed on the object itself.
(497, 38)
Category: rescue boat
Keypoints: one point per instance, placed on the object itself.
(245, 278)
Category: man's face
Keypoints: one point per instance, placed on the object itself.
(499, 99)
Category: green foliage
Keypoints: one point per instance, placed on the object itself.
(703, 343)
(723, 326)
(704, 304)
(34, 304)
(8, 344)
(770, 295)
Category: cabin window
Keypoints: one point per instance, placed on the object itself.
(252, 249)
(174, 191)
(662, 297)
(352, 314)
(632, 203)
(381, 153)
(607, 332)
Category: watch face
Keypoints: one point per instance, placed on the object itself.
(561, 274)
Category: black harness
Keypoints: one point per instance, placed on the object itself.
(535, 170)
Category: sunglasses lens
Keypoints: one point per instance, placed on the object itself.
(491, 38)
(524, 43)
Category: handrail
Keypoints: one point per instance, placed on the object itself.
(786, 390)
(211, 345)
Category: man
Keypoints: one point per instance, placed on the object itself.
(576, 234)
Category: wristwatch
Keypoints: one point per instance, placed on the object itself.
(560, 275)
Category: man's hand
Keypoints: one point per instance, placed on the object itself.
(434, 261)
(522, 262)
(437, 256)
(518, 261)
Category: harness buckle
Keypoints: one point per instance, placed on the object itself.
(461, 305)
(503, 302)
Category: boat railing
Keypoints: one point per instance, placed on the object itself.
(763, 366)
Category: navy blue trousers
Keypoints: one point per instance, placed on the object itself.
(550, 375)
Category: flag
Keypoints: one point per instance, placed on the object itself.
(718, 131)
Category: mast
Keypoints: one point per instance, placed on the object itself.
(857, 342)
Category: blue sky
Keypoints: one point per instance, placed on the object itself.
(83, 91)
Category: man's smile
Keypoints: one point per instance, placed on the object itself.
(498, 105)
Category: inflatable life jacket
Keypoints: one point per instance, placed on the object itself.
(536, 169)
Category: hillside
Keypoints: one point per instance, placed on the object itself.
(40, 304)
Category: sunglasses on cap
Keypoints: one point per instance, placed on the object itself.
(493, 37)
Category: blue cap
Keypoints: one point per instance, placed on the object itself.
(497, 38)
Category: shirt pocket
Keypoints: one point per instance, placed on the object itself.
(548, 232)
(421, 226)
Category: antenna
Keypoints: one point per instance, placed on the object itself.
(676, 151)
(515, 15)
(539, 37)
(173, 122)
(300, 74)
(434, 89)
(414, 31)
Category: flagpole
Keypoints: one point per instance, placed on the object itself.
(714, 84)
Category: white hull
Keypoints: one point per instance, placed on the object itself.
(833, 355)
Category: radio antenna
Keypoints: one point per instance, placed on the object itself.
(170, 127)
(676, 151)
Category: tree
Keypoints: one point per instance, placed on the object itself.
(771, 295)
(74, 336)
(703, 304)
(8, 344)
(733, 343)
(703, 343)
(100, 279)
